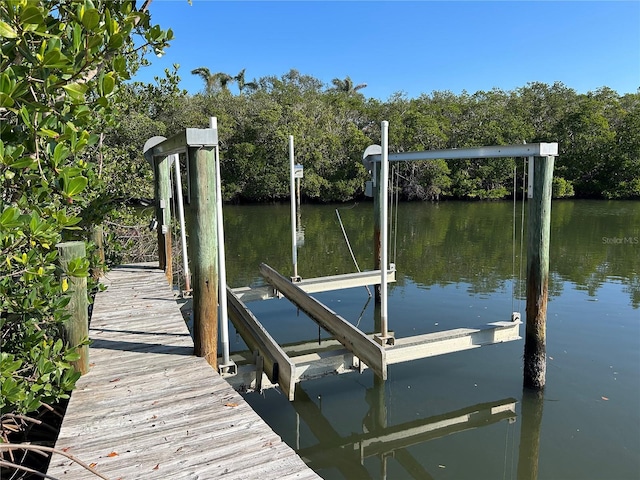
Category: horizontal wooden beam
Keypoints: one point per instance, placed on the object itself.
(277, 365)
(372, 354)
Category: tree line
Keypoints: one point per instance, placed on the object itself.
(598, 134)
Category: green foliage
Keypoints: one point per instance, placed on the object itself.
(62, 63)
(562, 188)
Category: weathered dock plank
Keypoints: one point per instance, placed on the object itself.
(149, 409)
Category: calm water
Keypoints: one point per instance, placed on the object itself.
(456, 268)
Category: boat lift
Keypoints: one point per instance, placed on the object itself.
(351, 350)
(360, 350)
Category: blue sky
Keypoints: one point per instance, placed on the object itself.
(411, 47)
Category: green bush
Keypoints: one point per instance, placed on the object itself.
(61, 64)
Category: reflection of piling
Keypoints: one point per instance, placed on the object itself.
(532, 405)
(538, 233)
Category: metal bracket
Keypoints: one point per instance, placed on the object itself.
(228, 369)
(388, 340)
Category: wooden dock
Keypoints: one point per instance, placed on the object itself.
(148, 408)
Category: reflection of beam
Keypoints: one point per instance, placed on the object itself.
(277, 365)
(353, 339)
(343, 460)
(419, 431)
(318, 284)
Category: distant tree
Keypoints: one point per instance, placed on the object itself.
(242, 83)
(214, 81)
(346, 86)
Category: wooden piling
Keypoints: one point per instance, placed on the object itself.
(163, 215)
(538, 234)
(98, 238)
(203, 237)
(76, 327)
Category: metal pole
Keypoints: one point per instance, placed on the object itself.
(294, 246)
(384, 180)
(222, 267)
(183, 232)
(163, 215)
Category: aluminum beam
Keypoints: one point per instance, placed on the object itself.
(500, 151)
(189, 137)
(318, 284)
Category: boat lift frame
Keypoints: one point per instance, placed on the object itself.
(359, 350)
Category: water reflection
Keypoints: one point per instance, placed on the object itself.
(392, 443)
(592, 242)
(455, 269)
(532, 406)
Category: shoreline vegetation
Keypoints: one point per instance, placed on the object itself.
(73, 125)
(598, 135)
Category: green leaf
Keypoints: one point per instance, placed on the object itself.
(60, 153)
(75, 185)
(115, 41)
(7, 30)
(108, 83)
(91, 18)
(25, 162)
(54, 59)
(48, 133)
(9, 217)
(31, 15)
(76, 91)
(6, 101)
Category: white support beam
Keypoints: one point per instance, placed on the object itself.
(353, 339)
(277, 365)
(318, 284)
(450, 341)
(499, 151)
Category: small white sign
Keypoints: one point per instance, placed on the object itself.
(298, 171)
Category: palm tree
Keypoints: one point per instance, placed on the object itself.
(213, 81)
(242, 84)
(346, 86)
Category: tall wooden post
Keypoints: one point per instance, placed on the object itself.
(76, 327)
(203, 235)
(98, 238)
(163, 215)
(538, 233)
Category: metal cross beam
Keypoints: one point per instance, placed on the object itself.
(524, 150)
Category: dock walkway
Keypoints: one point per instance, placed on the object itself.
(149, 408)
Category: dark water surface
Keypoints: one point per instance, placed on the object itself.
(462, 415)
